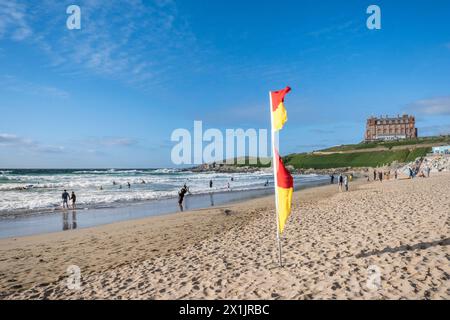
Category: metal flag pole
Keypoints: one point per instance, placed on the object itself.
(274, 165)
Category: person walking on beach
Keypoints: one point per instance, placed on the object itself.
(210, 184)
(65, 197)
(374, 175)
(396, 174)
(380, 176)
(340, 181)
(73, 197)
(332, 179)
(346, 182)
(428, 170)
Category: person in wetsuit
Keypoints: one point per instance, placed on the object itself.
(181, 195)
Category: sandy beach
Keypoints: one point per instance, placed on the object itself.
(332, 242)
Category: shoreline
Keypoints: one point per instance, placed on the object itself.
(229, 252)
(57, 220)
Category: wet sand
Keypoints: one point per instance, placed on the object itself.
(331, 246)
(84, 217)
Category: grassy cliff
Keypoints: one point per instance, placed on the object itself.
(356, 159)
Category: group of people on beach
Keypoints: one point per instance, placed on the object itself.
(342, 180)
(383, 175)
(413, 171)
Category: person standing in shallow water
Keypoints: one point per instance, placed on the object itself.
(65, 196)
(181, 195)
(210, 184)
(73, 197)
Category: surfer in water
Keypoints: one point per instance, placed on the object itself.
(181, 195)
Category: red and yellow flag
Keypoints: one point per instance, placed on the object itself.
(279, 113)
(285, 188)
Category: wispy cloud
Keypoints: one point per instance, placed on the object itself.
(433, 106)
(14, 84)
(12, 140)
(92, 145)
(337, 29)
(435, 130)
(110, 142)
(138, 42)
(13, 21)
(320, 131)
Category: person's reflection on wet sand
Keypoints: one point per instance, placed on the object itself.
(211, 198)
(65, 221)
(74, 219)
(66, 224)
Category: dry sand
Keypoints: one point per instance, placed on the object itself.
(332, 242)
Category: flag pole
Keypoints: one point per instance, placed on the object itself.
(274, 164)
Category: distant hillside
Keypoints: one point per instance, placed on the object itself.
(357, 159)
(371, 154)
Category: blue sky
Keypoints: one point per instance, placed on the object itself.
(110, 94)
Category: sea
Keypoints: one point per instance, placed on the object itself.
(34, 191)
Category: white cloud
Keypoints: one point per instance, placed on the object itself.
(137, 42)
(12, 140)
(110, 142)
(13, 21)
(14, 84)
(435, 130)
(433, 106)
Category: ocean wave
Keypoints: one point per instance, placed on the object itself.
(38, 191)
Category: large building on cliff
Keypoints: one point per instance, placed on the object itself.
(391, 128)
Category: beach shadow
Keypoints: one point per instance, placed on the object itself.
(406, 247)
